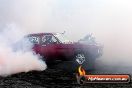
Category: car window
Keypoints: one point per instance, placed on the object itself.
(49, 39)
(34, 39)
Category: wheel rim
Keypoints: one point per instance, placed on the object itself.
(80, 58)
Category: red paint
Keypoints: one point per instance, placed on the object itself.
(62, 51)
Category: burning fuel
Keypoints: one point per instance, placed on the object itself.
(12, 62)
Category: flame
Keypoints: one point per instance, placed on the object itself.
(81, 71)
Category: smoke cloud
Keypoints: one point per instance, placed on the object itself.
(108, 20)
(22, 60)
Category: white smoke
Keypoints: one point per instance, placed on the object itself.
(23, 60)
(109, 20)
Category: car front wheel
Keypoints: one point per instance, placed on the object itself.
(81, 59)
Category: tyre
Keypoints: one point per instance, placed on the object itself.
(87, 62)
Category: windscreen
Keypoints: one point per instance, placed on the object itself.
(62, 38)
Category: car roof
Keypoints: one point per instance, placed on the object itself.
(40, 34)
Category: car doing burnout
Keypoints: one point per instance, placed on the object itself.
(55, 47)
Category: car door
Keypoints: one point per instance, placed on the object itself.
(65, 51)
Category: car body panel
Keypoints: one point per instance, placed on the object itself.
(62, 51)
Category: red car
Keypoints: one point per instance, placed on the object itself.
(54, 47)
